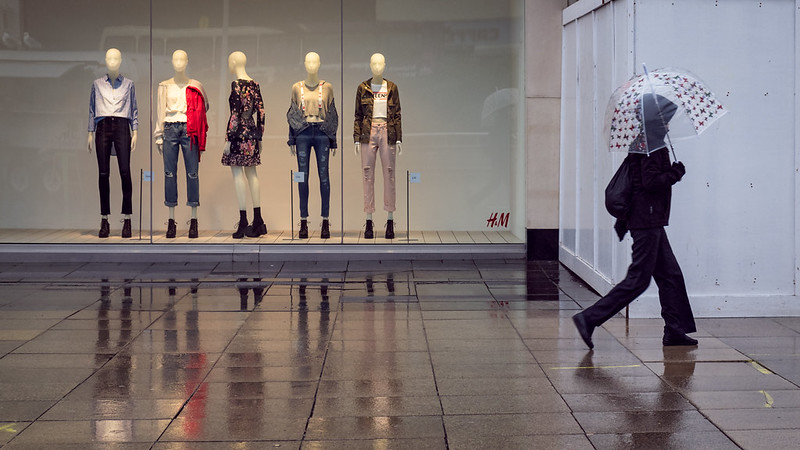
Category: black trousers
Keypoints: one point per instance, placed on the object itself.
(116, 131)
(652, 257)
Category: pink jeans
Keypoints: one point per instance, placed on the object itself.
(379, 143)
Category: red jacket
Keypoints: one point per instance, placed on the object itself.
(196, 121)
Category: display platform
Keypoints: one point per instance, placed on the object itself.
(84, 245)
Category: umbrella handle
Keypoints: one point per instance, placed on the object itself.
(655, 97)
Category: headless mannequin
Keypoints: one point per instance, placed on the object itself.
(377, 64)
(243, 176)
(113, 63)
(312, 63)
(179, 62)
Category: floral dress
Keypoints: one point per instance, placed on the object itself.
(246, 124)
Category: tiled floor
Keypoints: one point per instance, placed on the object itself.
(368, 354)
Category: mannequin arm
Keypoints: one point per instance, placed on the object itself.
(226, 149)
(90, 142)
(358, 148)
(333, 152)
(399, 148)
(134, 135)
(160, 147)
(293, 150)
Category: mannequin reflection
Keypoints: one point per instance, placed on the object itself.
(243, 144)
(313, 122)
(113, 124)
(181, 124)
(378, 125)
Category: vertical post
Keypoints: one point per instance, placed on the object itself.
(141, 179)
(408, 206)
(291, 200)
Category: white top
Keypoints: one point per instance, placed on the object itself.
(380, 95)
(175, 103)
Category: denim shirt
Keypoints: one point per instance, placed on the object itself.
(113, 100)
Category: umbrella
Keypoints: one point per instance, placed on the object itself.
(654, 108)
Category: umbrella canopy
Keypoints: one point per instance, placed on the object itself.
(663, 105)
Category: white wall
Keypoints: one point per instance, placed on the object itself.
(734, 218)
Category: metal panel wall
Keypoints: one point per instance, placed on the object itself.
(734, 219)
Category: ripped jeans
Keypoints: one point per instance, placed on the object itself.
(175, 138)
(379, 145)
(313, 137)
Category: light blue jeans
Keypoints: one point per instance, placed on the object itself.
(175, 139)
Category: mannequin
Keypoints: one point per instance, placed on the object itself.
(378, 126)
(181, 124)
(313, 122)
(243, 144)
(113, 121)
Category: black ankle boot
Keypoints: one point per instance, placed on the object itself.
(389, 229)
(241, 229)
(326, 229)
(171, 228)
(256, 229)
(126, 228)
(104, 228)
(193, 228)
(368, 233)
(303, 234)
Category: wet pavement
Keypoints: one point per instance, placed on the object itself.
(369, 354)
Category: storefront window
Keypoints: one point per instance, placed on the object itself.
(457, 74)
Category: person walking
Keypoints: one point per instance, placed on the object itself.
(652, 176)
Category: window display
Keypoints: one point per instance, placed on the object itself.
(181, 124)
(378, 125)
(243, 144)
(461, 73)
(113, 125)
(313, 121)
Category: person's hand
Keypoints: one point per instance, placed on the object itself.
(227, 148)
(678, 169)
(293, 150)
(90, 142)
(358, 148)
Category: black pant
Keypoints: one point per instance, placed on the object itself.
(652, 257)
(117, 131)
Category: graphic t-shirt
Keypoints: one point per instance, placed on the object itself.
(381, 94)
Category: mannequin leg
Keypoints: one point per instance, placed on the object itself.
(239, 184)
(255, 188)
(368, 159)
(194, 213)
(172, 212)
(303, 162)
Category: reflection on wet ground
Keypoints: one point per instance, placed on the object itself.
(370, 354)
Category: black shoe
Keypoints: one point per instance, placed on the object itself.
(389, 229)
(241, 228)
(256, 229)
(368, 233)
(676, 339)
(303, 234)
(104, 228)
(326, 229)
(171, 228)
(126, 228)
(193, 228)
(584, 329)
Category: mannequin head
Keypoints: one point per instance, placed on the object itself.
(377, 63)
(236, 60)
(179, 61)
(312, 63)
(113, 60)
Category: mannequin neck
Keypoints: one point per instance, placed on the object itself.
(241, 74)
(113, 75)
(377, 79)
(312, 80)
(180, 78)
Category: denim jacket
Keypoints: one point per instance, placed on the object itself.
(297, 123)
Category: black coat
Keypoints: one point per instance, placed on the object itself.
(653, 177)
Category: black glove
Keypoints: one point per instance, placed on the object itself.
(679, 170)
